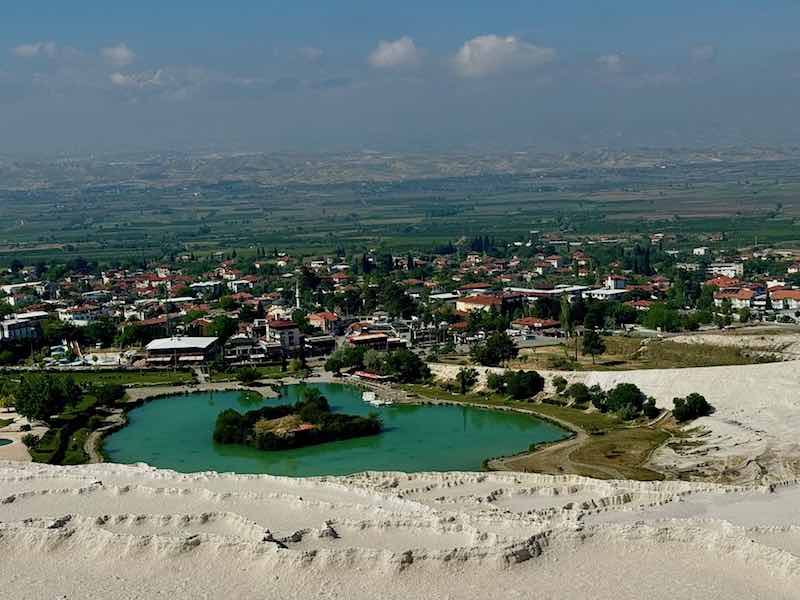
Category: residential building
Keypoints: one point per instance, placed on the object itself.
(20, 329)
(480, 302)
(785, 299)
(728, 269)
(739, 298)
(326, 321)
(81, 315)
(286, 333)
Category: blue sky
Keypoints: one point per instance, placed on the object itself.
(330, 75)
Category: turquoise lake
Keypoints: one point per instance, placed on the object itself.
(175, 433)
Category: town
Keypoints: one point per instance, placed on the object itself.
(264, 308)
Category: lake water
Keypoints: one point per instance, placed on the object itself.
(175, 433)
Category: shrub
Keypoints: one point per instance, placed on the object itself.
(649, 409)
(626, 399)
(579, 392)
(466, 378)
(524, 384)
(691, 407)
(30, 440)
(496, 381)
(248, 375)
(560, 384)
(598, 397)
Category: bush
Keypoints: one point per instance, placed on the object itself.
(30, 440)
(560, 384)
(598, 397)
(691, 407)
(524, 384)
(649, 409)
(496, 381)
(248, 375)
(466, 378)
(626, 399)
(25, 427)
(580, 394)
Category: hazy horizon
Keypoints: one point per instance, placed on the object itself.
(328, 77)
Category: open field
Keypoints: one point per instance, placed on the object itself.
(624, 353)
(121, 377)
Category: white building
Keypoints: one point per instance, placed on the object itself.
(733, 270)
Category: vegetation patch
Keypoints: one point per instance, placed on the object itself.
(305, 423)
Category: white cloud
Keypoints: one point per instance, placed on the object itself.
(119, 55)
(704, 53)
(488, 54)
(402, 52)
(612, 62)
(48, 49)
(137, 80)
(311, 54)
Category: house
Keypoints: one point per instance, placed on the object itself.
(701, 251)
(320, 345)
(723, 282)
(615, 282)
(81, 315)
(207, 289)
(375, 341)
(181, 350)
(471, 289)
(480, 302)
(793, 269)
(286, 333)
(606, 294)
(326, 321)
(536, 325)
(738, 297)
(785, 299)
(640, 305)
(242, 349)
(239, 285)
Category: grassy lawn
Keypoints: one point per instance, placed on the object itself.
(74, 453)
(133, 377)
(5, 422)
(623, 450)
(265, 372)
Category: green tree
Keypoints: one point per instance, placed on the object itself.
(497, 349)
(374, 361)
(593, 344)
(466, 378)
(248, 375)
(41, 396)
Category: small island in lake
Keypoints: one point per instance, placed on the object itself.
(305, 423)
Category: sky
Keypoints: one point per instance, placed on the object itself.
(334, 75)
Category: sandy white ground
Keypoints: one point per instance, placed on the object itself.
(110, 531)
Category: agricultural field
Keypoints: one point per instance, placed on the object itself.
(108, 217)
